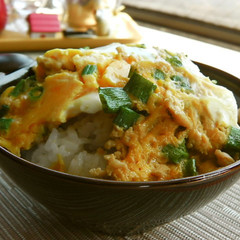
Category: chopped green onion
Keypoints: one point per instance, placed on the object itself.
(5, 123)
(176, 154)
(140, 87)
(113, 98)
(181, 82)
(89, 69)
(4, 110)
(140, 45)
(233, 142)
(30, 82)
(159, 74)
(189, 167)
(23, 85)
(36, 93)
(18, 89)
(126, 118)
(175, 61)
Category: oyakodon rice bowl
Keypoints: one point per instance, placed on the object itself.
(127, 113)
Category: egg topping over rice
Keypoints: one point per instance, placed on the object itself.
(150, 113)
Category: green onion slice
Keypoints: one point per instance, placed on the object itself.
(4, 110)
(140, 45)
(113, 98)
(30, 82)
(140, 87)
(182, 82)
(233, 142)
(36, 93)
(189, 167)
(126, 118)
(89, 69)
(159, 74)
(176, 154)
(23, 85)
(175, 61)
(5, 123)
(18, 89)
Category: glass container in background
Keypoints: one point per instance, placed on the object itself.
(19, 10)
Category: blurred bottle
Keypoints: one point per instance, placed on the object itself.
(82, 13)
(105, 17)
(3, 15)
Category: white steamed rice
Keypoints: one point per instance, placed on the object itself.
(77, 145)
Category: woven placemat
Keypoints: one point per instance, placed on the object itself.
(23, 218)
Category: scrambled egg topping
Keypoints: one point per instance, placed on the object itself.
(182, 125)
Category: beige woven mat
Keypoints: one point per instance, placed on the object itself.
(218, 12)
(23, 218)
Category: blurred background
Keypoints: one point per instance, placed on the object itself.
(214, 21)
(211, 19)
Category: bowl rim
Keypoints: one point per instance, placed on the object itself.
(186, 181)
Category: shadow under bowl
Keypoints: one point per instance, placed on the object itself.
(120, 208)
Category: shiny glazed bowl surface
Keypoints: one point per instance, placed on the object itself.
(122, 208)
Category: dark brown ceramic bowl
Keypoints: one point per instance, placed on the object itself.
(122, 207)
